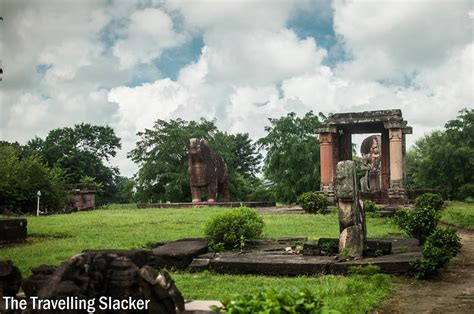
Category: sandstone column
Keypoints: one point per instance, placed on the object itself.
(328, 167)
(396, 158)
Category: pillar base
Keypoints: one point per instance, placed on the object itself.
(328, 191)
(397, 194)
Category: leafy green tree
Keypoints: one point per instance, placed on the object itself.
(445, 159)
(82, 151)
(21, 178)
(292, 160)
(162, 159)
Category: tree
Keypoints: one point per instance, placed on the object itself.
(162, 159)
(21, 178)
(445, 159)
(292, 160)
(83, 150)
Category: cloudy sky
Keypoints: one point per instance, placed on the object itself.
(128, 63)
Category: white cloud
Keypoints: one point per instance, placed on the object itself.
(150, 32)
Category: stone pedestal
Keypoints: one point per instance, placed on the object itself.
(351, 214)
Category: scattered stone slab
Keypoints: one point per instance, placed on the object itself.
(207, 204)
(138, 257)
(200, 307)
(12, 230)
(40, 276)
(180, 253)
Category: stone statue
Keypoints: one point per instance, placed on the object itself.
(351, 214)
(207, 169)
(372, 158)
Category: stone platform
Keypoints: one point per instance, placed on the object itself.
(206, 204)
(284, 258)
(12, 230)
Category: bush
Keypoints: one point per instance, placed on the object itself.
(232, 229)
(312, 202)
(419, 224)
(273, 301)
(370, 207)
(430, 200)
(438, 251)
(466, 192)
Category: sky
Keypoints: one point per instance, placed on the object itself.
(128, 63)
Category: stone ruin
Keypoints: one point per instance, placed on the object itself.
(12, 230)
(335, 138)
(352, 226)
(207, 169)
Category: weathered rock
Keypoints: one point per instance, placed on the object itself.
(179, 254)
(351, 214)
(160, 289)
(41, 275)
(12, 230)
(10, 279)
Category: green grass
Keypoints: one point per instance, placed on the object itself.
(354, 294)
(53, 239)
(459, 214)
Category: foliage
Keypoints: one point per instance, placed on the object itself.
(291, 301)
(466, 191)
(420, 223)
(233, 229)
(82, 151)
(312, 202)
(370, 206)
(125, 190)
(163, 161)
(459, 214)
(430, 200)
(292, 159)
(438, 251)
(21, 178)
(444, 159)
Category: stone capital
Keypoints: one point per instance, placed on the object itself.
(395, 124)
(325, 129)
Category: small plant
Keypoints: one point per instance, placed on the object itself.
(367, 270)
(329, 248)
(419, 224)
(466, 192)
(438, 251)
(403, 248)
(234, 228)
(312, 202)
(370, 207)
(434, 201)
(291, 301)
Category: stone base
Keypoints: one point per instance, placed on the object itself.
(206, 204)
(12, 230)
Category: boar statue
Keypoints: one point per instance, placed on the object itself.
(207, 170)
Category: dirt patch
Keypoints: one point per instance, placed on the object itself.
(450, 292)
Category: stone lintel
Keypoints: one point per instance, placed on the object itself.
(326, 129)
(395, 124)
(407, 130)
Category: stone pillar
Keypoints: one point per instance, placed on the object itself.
(385, 161)
(327, 160)
(351, 214)
(396, 192)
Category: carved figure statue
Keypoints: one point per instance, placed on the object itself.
(371, 157)
(207, 170)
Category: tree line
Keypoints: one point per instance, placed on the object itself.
(279, 166)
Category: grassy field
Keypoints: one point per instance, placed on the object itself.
(459, 214)
(53, 239)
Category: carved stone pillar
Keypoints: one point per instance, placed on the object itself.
(328, 167)
(396, 192)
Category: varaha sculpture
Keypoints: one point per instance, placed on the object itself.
(372, 159)
(207, 169)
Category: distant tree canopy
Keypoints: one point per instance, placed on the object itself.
(82, 151)
(22, 175)
(292, 162)
(162, 159)
(445, 159)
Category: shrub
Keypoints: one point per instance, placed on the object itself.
(370, 207)
(466, 192)
(273, 301)
(438, 251)
(232, 229)
(419, 224)
(312, 202)
(367, 270)
(430, 200)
